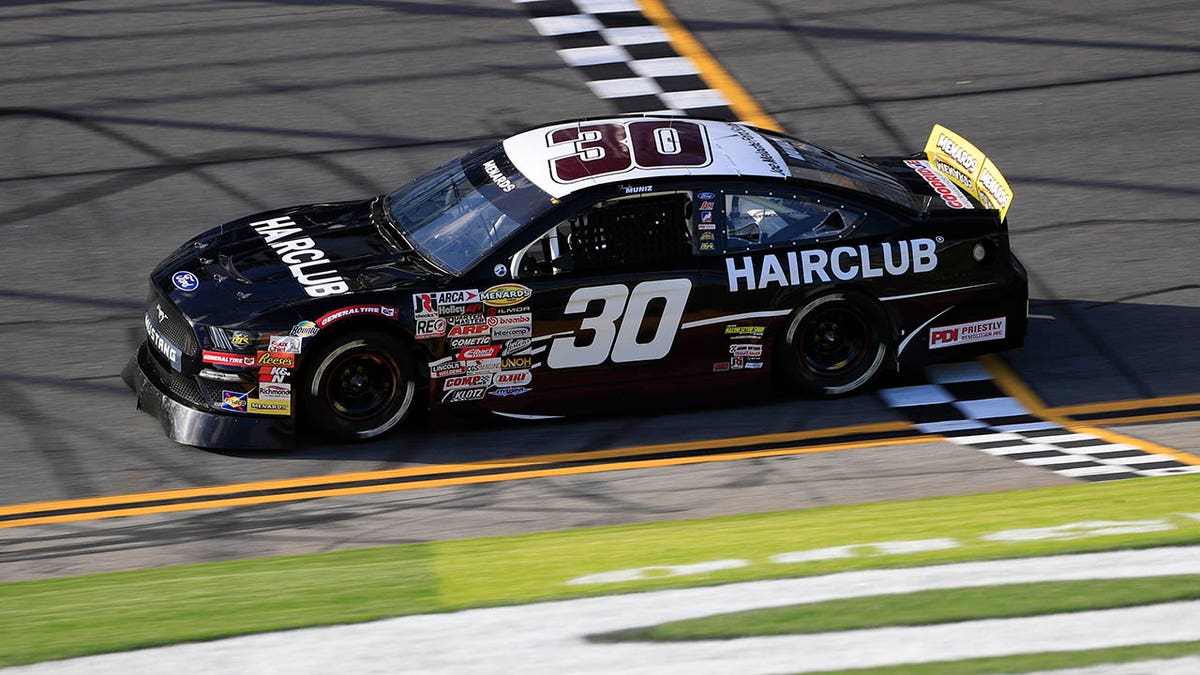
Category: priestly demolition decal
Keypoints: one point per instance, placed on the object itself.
(963, 404)
(625, 57)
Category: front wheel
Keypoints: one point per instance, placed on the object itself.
(834, 344)
(359, 386)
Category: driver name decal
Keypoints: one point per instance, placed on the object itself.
(301, 255)
(843, 263)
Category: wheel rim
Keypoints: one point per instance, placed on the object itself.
(833, 340)
(360, 385)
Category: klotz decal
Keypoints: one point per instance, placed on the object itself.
(500, 269)
(505, 295)
(185, 281)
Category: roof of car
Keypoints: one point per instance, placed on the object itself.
(567, 157)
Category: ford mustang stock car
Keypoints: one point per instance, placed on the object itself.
(583, 266)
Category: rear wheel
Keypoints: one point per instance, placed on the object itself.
(359, 386)
(834, 344)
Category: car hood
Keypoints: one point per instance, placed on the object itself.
(282, 257)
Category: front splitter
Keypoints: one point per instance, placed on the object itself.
(189, 426)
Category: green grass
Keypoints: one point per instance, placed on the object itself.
(60, 618)
(1025, 663)
(923, 608)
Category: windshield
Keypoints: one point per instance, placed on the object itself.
(456, 214)
(834, 168)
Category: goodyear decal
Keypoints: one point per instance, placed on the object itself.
(965, 165)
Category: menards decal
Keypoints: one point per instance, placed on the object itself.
(964, 164)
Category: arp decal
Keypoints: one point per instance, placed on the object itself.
(242, 340)
(505, 295)
(966, 333)
(357, 310)
(914, 256)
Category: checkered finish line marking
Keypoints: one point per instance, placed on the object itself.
(637, 55)
(963, 403)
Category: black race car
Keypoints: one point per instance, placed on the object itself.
(580, 267)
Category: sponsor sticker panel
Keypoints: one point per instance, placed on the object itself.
(967, 333)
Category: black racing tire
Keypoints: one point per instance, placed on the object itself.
(834, 345)
(358, 386)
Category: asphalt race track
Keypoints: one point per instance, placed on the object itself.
(125, 127)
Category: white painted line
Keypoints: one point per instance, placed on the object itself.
(991, 407)
(700, 98)
(607, 6)
(1027, 426)
(626, 86)
(664, 67)
(1051, 461)
(1092, 471)
(565, 25)
(549, 637)
(592, 56)
(987, 438)
(949, 425)
(634, 35)
(921, 394)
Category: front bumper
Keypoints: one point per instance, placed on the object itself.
(184, 423)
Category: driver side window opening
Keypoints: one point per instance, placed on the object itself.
(630, 232)
(753, 220)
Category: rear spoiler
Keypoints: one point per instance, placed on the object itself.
(960, 161)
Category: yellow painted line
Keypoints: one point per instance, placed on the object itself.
(312, 481)
(1013, 386)
(464, 480)
(741, 102)
(1127, 404)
